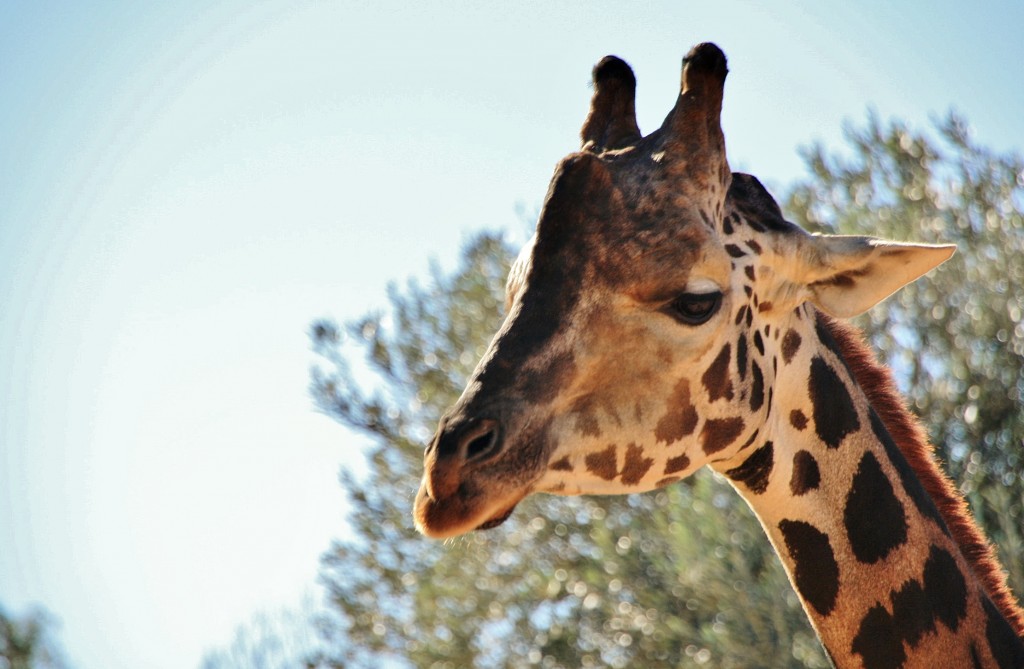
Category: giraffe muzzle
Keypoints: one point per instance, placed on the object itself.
(463, 488)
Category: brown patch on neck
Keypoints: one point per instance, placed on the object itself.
(603, 464)
(681, 418)
(877, 383)
(635, 466)
(716, 377)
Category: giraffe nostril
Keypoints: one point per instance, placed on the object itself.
(480, 446)
(482, 442)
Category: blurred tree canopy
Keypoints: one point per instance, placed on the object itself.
(682, 576)
(27, 642)
(283, 639)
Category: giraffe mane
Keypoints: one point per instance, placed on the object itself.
(880, 388)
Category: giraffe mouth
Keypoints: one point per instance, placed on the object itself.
(460, 513)
(497, 519)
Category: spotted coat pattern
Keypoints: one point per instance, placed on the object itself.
(667, 317)
(850, 515)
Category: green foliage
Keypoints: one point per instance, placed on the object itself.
(955, 339)
(26, 642)
(681, 575)
(284, 639)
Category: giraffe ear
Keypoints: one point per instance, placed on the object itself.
(847, 275)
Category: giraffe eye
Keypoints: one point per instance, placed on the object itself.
(694, 308)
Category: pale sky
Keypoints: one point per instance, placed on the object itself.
(184, 189)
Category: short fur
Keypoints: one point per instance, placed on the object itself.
(906, 431)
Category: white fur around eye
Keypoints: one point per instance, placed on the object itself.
(702, 286)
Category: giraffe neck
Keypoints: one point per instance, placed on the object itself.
(888, 564)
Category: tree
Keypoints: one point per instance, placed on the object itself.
(26, 642)
(682, 575)
(956, 340)
(283, 639)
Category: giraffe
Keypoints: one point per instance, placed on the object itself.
(664, 317)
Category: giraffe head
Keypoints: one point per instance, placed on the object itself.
(622, 364)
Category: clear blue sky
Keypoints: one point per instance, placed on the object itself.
(185, 186)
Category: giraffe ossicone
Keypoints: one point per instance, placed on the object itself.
(664, 317)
